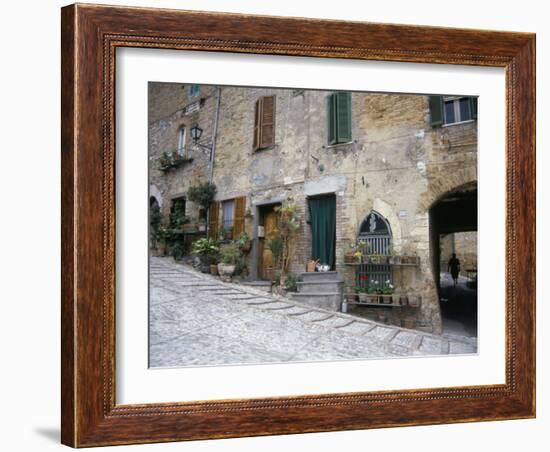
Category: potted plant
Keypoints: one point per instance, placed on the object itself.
(349, 255)
(244, 242)
(206, 249)
(363, 295)
(386, 296)
(351, 293)
(229, 255)
(202, 194)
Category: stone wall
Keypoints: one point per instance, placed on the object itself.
(396, 164)
(176, 109)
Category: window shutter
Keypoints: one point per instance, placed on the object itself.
(213, 219)
(331, 113)
(343, 109)
(238, 216)
(436, 110)
(267, 131)
(257, 115)
(473, 107)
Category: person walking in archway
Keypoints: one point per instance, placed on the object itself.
(454, 268)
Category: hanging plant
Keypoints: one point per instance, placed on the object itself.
(202, 194)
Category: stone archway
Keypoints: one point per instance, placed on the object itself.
(454, 213)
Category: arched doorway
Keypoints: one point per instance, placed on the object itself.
(375, 231)
(453, 235)
(155, 218)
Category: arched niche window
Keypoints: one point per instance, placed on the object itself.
(374, 225)
(376, 232)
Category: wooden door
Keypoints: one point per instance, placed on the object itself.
(271, 229)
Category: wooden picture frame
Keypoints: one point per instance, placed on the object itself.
(90, 36)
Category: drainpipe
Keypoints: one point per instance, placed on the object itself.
(214, 135)
(213, 150)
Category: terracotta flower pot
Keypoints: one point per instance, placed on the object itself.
(214, 269)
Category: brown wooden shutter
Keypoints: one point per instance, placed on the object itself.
(267, 132)
(213, 219)
(257, 121)
(238, 216)
(264, 123)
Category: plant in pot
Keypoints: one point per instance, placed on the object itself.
(244, 242)
(363, 294)
(349, 254)
(229, 255)
(206, 249)
(202, 194)
(387, 290)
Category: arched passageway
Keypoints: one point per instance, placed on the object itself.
(453, 243)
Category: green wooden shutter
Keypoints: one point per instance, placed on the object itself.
(331, 113)
(343, 108)
(436, 110)
(473, 107)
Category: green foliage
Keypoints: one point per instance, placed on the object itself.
(178, 250)
(155, 218)
(276, 245)
(241, 267)
(177, 215)
(230, 253)
(289, 223)
(242, 239)
(387, 288)
(205, 247)
(291, 282)
(202, 194)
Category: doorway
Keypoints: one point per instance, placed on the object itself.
(268, 229)
(453, 225)
(322, 214)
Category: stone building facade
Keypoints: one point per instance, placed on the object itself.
(393, 155)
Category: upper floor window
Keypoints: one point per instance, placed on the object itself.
(181, 140)
(264, 123)
(194, 91)
(452, 109)
(339, 118)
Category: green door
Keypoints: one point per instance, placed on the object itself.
(322, 213)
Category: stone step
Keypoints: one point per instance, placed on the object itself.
(319, 286)
(320, 276)
(331, 301)
(260, 285)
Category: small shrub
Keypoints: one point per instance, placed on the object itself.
(230, 253)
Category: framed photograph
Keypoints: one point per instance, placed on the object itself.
(280, 225)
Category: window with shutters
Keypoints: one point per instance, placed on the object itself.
(228, 209)
(446, 110)
(339, 118)
(264, 123)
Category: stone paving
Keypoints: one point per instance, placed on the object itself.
(197, 320)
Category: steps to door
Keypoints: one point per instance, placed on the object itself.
(321, 290)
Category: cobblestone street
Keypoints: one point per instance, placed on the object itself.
(196, 320)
